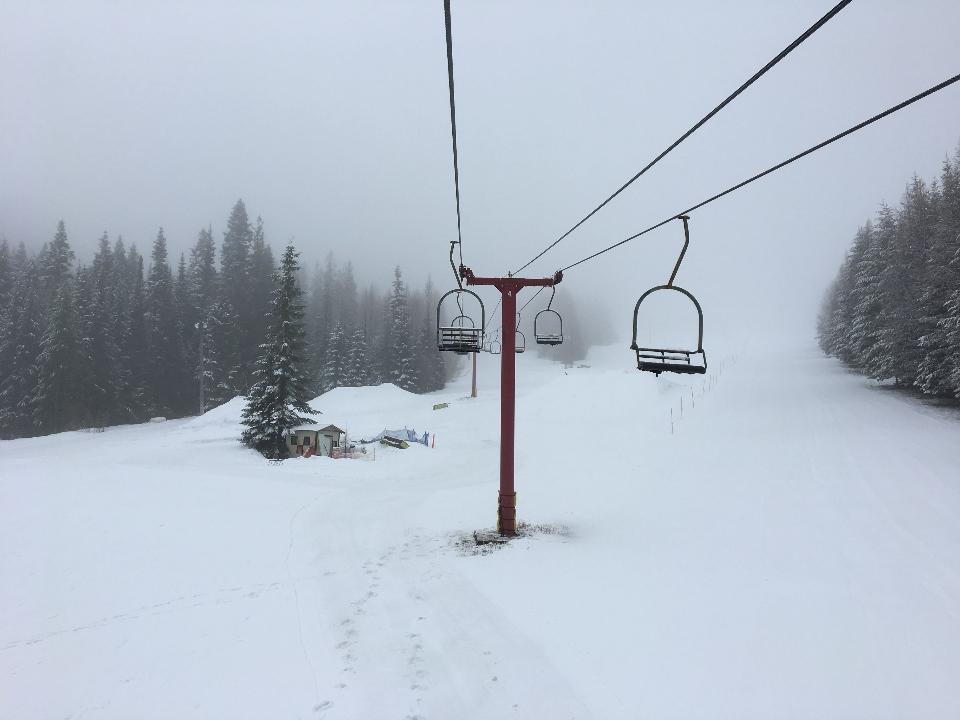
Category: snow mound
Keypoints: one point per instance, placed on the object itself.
(226, 414)
(359, 410)
(383, 394)
(367, 410)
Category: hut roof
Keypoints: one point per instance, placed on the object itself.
(317, 428)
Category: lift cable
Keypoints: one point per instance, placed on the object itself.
(808, 151)
(542, 288)
(453, 122)
(756, 76)
(494, 312)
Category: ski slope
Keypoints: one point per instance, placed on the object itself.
(792, 549)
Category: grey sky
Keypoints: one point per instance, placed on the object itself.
(330, 120)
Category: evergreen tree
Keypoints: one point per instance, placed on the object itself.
(6, 278)
(134, 341)
(56, 261)
(57, 401)
(20, 259)
(321, 315)
(430, 364)
(935, 372)
(400, 365)
(203, 273)
(279, 398)
(314, 325)
(893, 310)
(97, 312)
(357, 372)
(19, 351)
(212, 381)
(164, 340)
(335, 369)
(345, 304)
(234, 274)
(868, 305)
(91, 396)
(259, 292)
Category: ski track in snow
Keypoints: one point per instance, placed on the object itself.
(791, 549)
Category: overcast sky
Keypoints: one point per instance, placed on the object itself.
(330, 120)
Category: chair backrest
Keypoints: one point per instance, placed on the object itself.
(542, 331)
(462, 335)
(636, 310)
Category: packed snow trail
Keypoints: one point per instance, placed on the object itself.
(792, 549)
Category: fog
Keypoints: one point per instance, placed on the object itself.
(331, 121)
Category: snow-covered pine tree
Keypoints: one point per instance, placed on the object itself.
(401, 366)
(181, 297)
(828, 309)
(951, 326)
(57, 401)
(936, 369)
(97, 313)
(430, 363)
(91, 395)
(899, 349)
(19, 351)
(345, 298)
(213, 385)
(133, 342)
(950, 226)
(321, 317)
(357, 368)
(335, 368)
(234, 275)
(259, 291)
(842, 320)
(56, 262)
(279, 398)
(164, 338)
(313, 325)
(203, 272)
(6, 280)
(868, 302)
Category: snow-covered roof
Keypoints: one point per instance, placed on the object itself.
(317, 428)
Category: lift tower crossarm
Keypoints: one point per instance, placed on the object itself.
(508, 287)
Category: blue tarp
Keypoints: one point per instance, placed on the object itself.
(405, 434)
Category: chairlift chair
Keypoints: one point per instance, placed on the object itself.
(461, 335)
(521, 343)
(495, 347)
(548, 325)
(658, 360)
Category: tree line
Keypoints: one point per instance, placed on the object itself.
(893, 311)
(120, 340)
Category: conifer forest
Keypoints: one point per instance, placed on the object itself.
(124, 338)
(893, 310)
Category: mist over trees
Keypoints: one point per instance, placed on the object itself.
(893, 311)
(123, 339)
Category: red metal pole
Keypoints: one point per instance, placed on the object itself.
(508, 287)
(507, 502)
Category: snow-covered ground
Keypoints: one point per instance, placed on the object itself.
(791, 550)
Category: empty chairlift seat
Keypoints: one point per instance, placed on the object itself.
(521, 343)
(461, 335)
(659, 359)
(548, 327)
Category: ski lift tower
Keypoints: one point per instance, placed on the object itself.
(508, 287)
